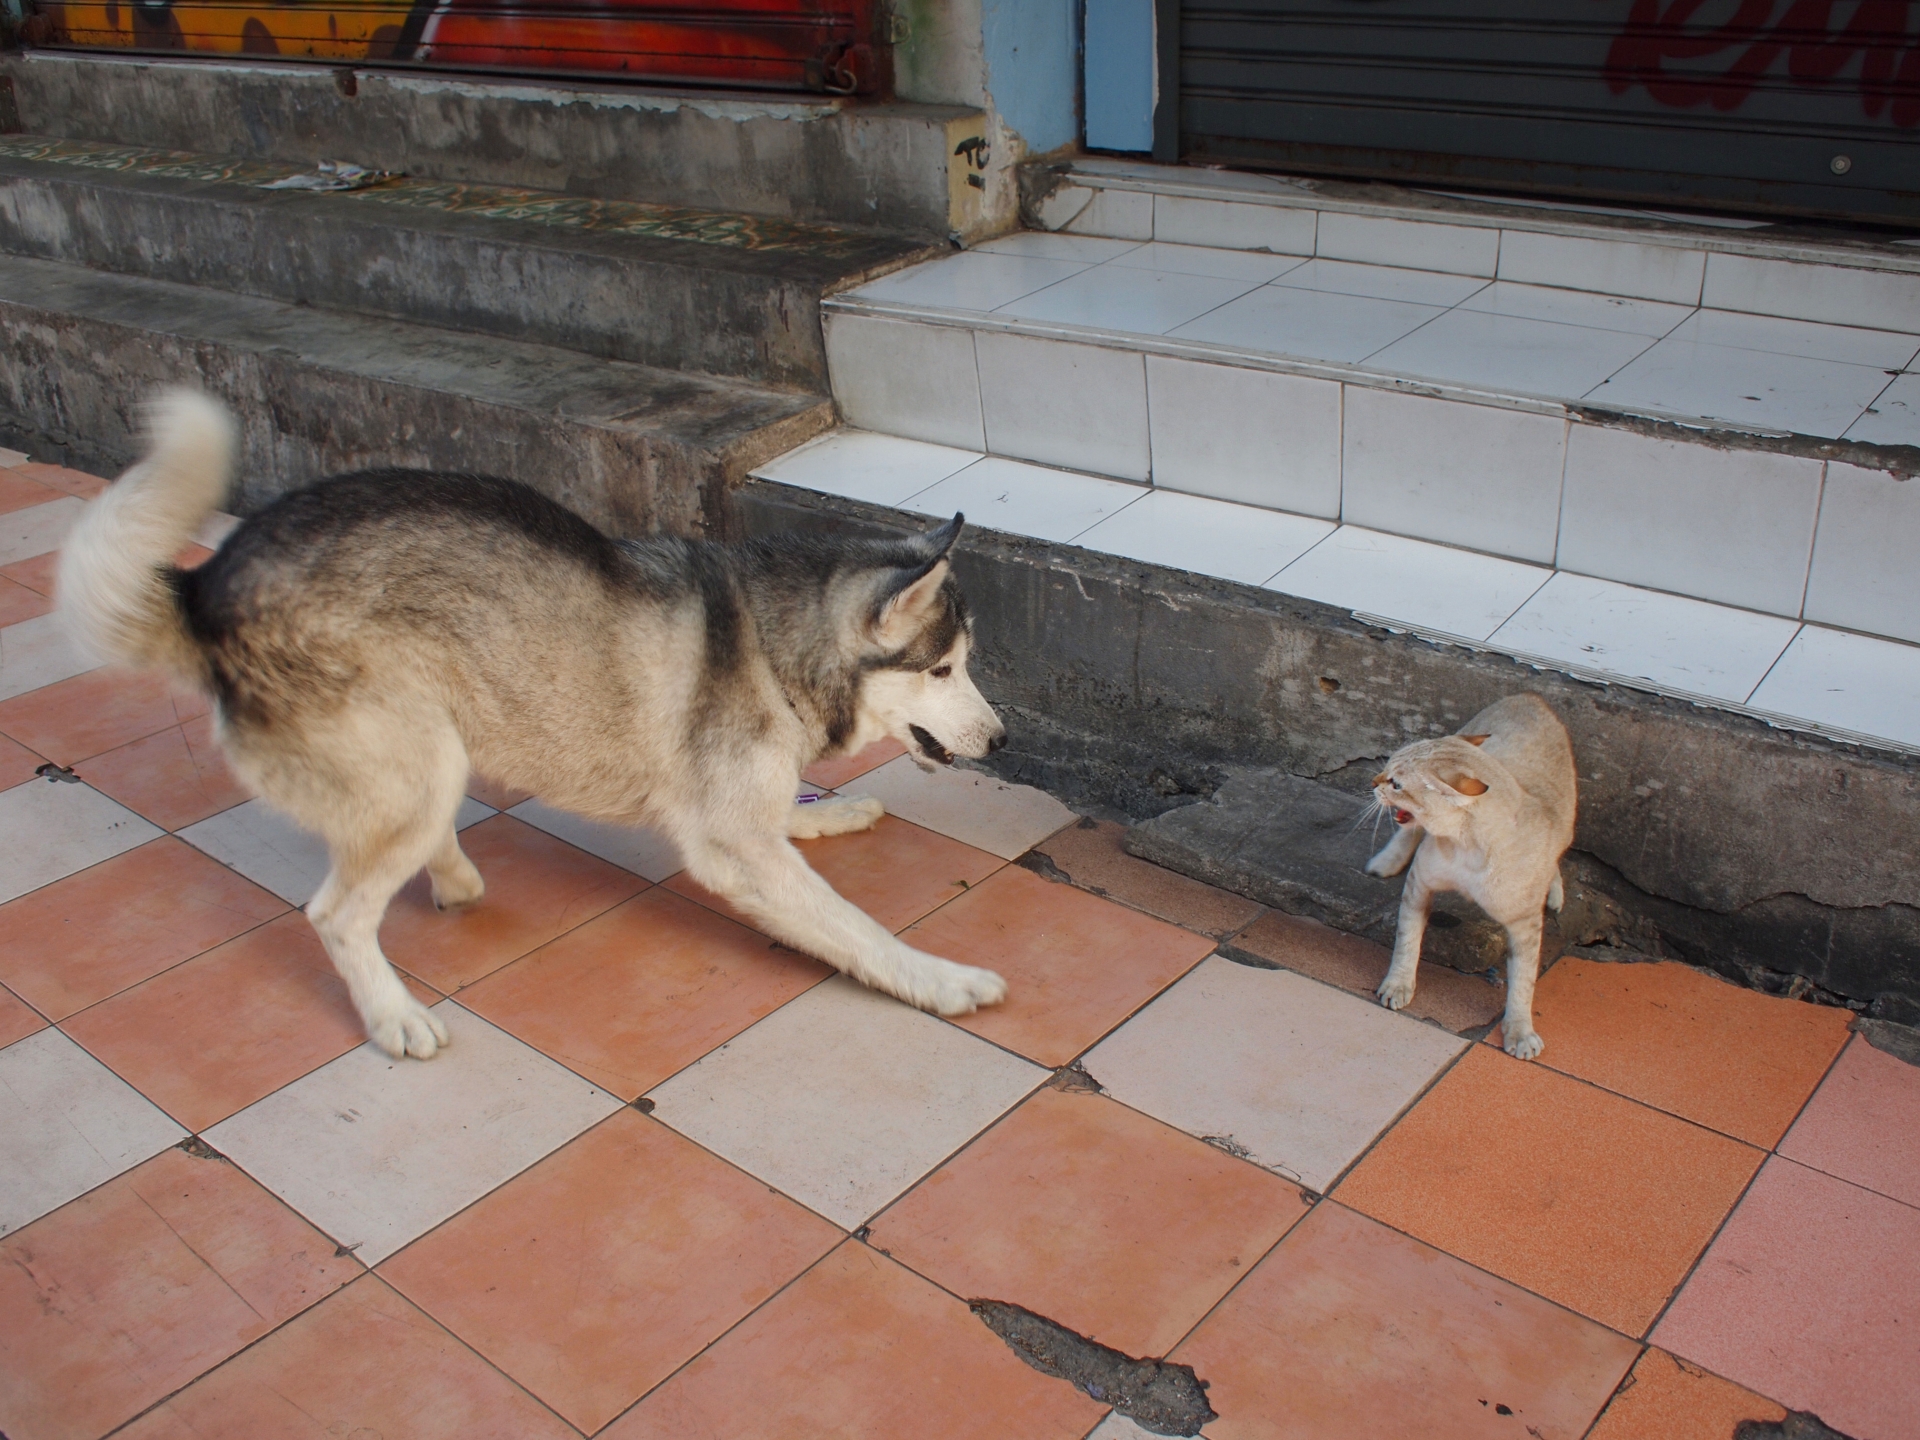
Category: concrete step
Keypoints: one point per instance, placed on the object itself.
(662, 285)
(633, 448)
(894, 167)
(1779, 669)
(1237, 726)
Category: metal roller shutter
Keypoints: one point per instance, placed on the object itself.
(1806, 106)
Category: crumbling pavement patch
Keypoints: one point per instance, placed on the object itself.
(1157, 1395)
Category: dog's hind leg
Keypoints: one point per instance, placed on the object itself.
(456, 881)
(395, 821)
(767, 879)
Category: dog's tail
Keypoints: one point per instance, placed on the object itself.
(117, 578)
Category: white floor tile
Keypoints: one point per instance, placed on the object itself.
(1735, 526)
(1083, 406)
(276, 854)
(900, 378)
(1422, 244)
(1383, 282)
(1234, 225)
(215, 529)
(1744, 387)
(67, 1124)
(1310, 324)
(1848, 344)
(1854, 682)
(12, 459)
(1670, 640)
(645, 852)
(1894, 416)
(39, 652)
(1021, 499)
(1462, 474)
(1863, 575)
(1208, 537)
(1256, 267)
(1578, 307)
(1511, 354)
(53, 828)
(38, 528)
(377, 1151)
(1613, 267)
(1301, 1074)
(1456, 592)
(976, 280)
(844, 1097)
(1138, 302)
(970, 806)
(1248, 435)
(1048, 245)
(860, 465)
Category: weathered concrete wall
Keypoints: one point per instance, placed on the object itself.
(632, 449)
(1726, 841)
(888, 166)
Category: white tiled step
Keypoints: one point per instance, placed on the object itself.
(1799, 674)
(1723, 262)
(1129, 376)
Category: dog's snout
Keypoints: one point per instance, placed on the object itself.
(998, 742)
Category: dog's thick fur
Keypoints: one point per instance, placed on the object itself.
(370, 640)
(1488, 813)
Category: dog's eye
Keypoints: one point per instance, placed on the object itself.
(941, 672)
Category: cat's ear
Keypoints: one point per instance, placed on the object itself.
(1477, 739)
(1465, 785)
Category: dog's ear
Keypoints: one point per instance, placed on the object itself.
(936, 543)
(910, 595)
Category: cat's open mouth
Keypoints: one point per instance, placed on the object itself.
(1403, 817)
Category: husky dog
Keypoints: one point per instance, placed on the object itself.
(371, 639)
(1487, 813)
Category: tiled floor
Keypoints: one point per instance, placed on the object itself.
(1718, 365)
(672, 1180)
(1817, 675)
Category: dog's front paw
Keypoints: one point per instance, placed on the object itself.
(408, 1028)
(1395, 993)
(1523, 1044)
(962, 989)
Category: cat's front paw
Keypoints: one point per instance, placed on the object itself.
(1523, 1044)
(1395, 993)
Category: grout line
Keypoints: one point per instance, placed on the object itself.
(1774, 664)
(1560, 510)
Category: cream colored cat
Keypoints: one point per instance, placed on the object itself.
(1487, 813)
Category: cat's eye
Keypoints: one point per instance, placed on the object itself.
(941, 672)
(1395, 784)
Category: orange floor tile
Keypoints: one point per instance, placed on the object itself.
(859, 1346)
(132, 1291)
(599, 1272)
(73, 943)
(1688, 1043)
(1668, 1399)
(217, 1033)
(174, 778)
(1349, 1331)
(643, 991)
(364, 1362)
(1093, 1215)
(1529, 1174)
(1075, 965)
(95, 712)
(538, 888)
